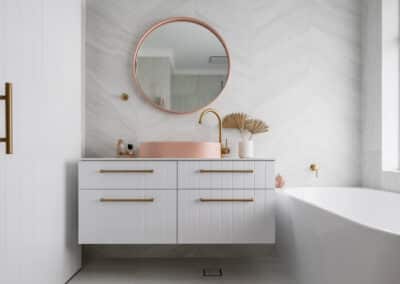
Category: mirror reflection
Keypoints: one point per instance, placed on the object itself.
(181, 66)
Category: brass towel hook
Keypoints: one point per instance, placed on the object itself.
(8, 114)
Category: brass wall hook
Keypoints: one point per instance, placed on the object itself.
(124, 96)
(314, 168)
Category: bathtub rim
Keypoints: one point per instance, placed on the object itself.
(286, 192)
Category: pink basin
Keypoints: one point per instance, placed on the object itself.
(180, 149)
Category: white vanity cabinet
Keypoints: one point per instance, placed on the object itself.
(150, 201)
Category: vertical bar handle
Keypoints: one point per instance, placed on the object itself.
(8, 118)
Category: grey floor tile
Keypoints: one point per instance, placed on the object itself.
(188, 271)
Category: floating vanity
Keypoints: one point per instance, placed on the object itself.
(197, 198)
(185, 201)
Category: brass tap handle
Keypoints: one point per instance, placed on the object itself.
(225, 150)
(314, 168)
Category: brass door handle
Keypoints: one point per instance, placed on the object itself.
(227, 171)
(102, 171)
(227, 199)
(8, 139)
(150, 199)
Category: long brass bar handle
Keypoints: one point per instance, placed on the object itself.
(102, 171)
(8, 118)
(227, 199)
(151, 199)
(227, 171)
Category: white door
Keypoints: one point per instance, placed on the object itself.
(40, 53)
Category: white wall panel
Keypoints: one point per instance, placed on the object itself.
(41, 54)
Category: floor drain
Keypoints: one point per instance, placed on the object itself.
(212, 272)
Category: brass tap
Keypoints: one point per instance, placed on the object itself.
(314, 168)
(224, 150)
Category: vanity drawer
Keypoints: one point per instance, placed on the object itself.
(128, 174)
(225, 174)
(127, 216)
(226, 216)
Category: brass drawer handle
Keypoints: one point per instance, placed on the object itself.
(151, 199)
(227, 171)
(8, 119)
(227, 199)
(102, 171)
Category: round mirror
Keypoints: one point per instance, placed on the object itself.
(181, 65)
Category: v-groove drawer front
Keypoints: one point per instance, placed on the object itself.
(225, 174)
(127, 216)
(226, 216)
(128, 175)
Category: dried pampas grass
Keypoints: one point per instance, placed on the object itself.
(255, 126)
(242, 121)
(235, 120)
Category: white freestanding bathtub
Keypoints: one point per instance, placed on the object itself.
(339, 235)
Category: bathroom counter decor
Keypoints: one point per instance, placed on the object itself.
(176, 201)
(247, 127)
(174, 159)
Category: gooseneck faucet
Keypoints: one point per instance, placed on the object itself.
(224, 150)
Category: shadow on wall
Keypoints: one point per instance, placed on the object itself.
(71, 205)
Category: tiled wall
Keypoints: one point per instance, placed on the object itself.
(295, 64)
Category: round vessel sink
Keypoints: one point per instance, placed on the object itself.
(180, 149)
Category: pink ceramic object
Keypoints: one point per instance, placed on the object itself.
(180, 149)
(279, 181)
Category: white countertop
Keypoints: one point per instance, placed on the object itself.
(173, 159)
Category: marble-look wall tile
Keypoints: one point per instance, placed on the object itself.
(295, 64)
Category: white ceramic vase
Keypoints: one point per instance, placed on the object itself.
(246, 149)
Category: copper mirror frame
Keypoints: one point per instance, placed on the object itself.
(164, 22)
